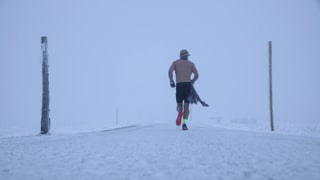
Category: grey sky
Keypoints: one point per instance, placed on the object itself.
(113, 54)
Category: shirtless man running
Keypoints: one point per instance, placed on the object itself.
(183, 70)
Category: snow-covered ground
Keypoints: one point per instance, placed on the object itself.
(161, 151)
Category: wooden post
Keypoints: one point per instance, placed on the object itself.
(45, 120)
(270, 85)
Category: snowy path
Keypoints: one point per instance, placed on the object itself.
(161, 152)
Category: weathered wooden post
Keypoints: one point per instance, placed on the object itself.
(270, 85)
(45, 119)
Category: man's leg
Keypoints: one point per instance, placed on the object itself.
(186, 112)
(179, 107)
(180, 114)
(185, 116)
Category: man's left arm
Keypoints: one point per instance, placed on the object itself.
(195, 74)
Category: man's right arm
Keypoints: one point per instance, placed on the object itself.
(170, 74)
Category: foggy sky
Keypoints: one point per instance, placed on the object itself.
(108, 56)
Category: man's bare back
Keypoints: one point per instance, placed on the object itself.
(183, 71)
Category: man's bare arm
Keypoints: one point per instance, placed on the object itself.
(170, 72)
(195, 73)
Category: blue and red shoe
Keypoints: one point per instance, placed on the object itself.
(184, 127)
(178, 120)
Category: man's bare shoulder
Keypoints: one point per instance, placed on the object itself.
(183, 61)
(191, 62)
(176, 61)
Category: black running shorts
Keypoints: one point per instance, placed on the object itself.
(183, 91)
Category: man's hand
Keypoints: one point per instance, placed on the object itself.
(172, 84)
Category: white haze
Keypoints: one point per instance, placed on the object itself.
(113, 56)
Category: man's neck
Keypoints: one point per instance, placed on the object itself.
(184, 57)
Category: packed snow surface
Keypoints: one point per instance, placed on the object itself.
(161, 151)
